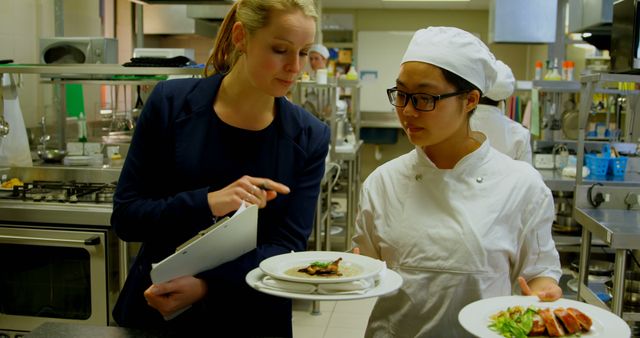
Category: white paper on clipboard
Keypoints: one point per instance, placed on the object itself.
(233, 238)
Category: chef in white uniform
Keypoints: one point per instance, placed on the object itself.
(505, 134)
(457, 219)
(318, 57)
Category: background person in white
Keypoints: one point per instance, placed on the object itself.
(504, 134)
(458, 220)
(318, 57)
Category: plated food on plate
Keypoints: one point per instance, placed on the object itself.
(323, 269)
(479, 318)
(350, 267)
(521, 322)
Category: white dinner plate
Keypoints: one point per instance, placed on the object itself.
(277, 266)
(475, 317)
(389, 282)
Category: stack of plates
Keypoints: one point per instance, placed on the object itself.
(360, 277)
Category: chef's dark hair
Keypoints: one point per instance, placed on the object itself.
(254, 15)
(460, 84)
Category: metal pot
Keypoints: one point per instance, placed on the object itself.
(596, 268)
(51, 155)
(630, 298)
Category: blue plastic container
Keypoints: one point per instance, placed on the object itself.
(617, 166)
(598, 166)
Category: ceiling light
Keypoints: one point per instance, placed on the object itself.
(426, 0)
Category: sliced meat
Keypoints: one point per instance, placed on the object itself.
(568, 319)
(584, 320)
(554, 329)
(538, 329)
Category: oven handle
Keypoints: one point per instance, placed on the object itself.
(93, 240)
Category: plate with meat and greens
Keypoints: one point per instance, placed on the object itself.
(527, 316)
(321, 267)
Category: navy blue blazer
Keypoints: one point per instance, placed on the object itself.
(178, 154)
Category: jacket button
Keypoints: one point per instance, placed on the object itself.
(419, 177)
(479, 179)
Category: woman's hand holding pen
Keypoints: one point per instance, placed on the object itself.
(252, 190)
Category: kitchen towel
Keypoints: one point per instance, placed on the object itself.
(353, 287)
(14, 148)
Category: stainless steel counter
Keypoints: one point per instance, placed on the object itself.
(617, 228)
(556, 182)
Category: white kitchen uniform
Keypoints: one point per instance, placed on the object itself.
(455, 236)
(506, 135)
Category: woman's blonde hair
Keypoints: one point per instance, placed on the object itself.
(254, 15)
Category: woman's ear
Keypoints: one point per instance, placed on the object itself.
(239, 37)
(472, 100)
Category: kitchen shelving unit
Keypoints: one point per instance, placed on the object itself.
(100, 74)
(345, 155)
(616, 219)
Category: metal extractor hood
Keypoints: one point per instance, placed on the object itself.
(208, 12)
(187, 2)
(173, 20)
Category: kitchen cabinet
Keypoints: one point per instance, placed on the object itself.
(610, 212)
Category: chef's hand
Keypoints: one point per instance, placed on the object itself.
(253, 190)
(175, 295)
(544, 287)
(355, 251)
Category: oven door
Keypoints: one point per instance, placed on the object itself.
(52, 275)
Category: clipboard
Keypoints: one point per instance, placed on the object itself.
(222, 242)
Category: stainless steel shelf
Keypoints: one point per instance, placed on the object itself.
(619, 229)
(556, 182)
(557, 86)
(65, 70)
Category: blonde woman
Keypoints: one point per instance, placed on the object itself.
(201, 148)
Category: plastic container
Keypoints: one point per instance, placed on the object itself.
(538, 74)
(617, 166)
(598, 166)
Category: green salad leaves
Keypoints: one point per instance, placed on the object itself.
(515, 322)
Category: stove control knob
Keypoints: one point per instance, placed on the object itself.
(62, 198)
(37, 197)
(49, 198)
(73, 199)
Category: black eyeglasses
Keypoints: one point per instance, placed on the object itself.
(420, 101)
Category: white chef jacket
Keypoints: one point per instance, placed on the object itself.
(506, 135)
(455, 236)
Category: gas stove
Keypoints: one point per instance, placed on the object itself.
(70, 192)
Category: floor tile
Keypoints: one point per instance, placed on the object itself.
(307, 305)
(360, 306)
(349, 321)
(305, 318)
(300, 331)
(334, 332)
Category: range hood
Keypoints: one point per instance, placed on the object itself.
(187, 2)
(173, 20)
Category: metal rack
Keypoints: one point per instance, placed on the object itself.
(346, 155)
(615, 218)
(106, 74)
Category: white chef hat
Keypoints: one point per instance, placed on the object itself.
(320, 49)
(504, 85)
(455, 50)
